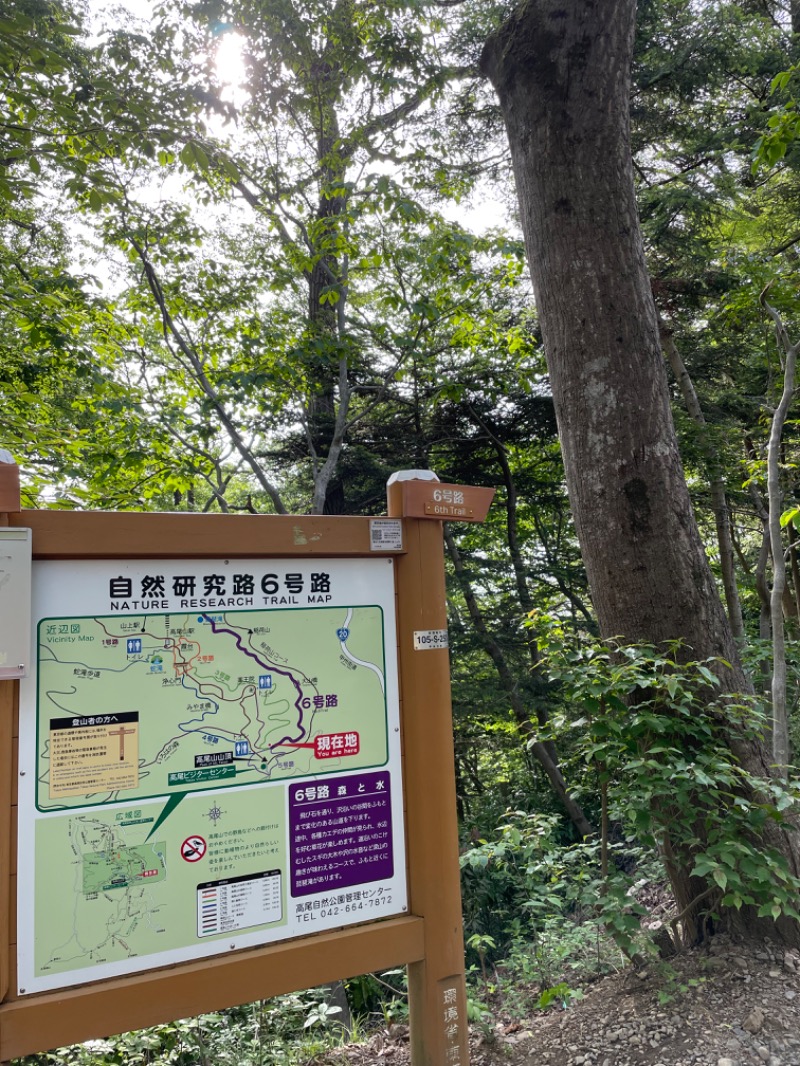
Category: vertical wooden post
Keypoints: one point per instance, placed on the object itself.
(9, 488)
(7, 742)
(437, 991)
(9, 504)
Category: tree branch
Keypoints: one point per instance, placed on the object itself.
(171, 330)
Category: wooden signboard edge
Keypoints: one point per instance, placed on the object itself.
(9, 506)
(136, 535)
(7, 712)
(54, 1019)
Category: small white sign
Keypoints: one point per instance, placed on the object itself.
(385, 534)
(15, 602)
(430, 639)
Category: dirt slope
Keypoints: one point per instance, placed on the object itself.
(725, 1005)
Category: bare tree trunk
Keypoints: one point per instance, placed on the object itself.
(762, 585)
(561, 69)
(780, 721)
(324, 412)
(538, 685)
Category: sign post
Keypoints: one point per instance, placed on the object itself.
(9, 505)
(436, 984)
(202, 769)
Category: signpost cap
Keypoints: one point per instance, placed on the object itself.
(411, 475)
(6, 457)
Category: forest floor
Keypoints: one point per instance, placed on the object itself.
(725, 1004)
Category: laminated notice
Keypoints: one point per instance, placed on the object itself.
(385, 534)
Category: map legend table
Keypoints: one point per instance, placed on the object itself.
(239, 903)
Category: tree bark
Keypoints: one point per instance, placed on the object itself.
(780, 722)
(561, 69)
(325, 319)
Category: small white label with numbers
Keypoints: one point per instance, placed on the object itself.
(385, 534)
(429, 639)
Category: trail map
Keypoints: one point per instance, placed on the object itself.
(209, 760)
(231, 698)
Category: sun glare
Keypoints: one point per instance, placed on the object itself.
(230, 63)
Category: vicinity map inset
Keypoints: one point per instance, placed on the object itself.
(131, 707)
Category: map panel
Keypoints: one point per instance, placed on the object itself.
(209, 761)
(123, 897)
(229, 699)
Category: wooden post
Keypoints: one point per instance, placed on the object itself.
(9, 488)
(9, 504)
(437, 990)
(7, 730)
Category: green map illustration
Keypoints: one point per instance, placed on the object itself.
(118, 866)
(121, 895)
(166, 704)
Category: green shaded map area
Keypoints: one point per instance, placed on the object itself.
(223, 698)
(106, 910)
(122, 867)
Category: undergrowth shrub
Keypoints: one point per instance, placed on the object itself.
(654, 738)
(276, 1032)
(548, 902)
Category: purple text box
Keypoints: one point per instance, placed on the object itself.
(340, 832)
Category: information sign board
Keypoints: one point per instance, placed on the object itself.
(209, 760)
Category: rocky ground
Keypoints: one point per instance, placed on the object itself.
(724, 1005)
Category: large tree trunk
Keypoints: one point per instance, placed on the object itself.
(561, 69)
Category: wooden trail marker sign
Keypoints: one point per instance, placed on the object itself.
(229, 772)
(455, 503)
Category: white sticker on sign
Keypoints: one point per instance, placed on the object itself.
(385, 534)
(429, 639)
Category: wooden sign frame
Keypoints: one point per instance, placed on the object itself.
(428, 939)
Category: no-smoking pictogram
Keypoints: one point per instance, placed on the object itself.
(193, 848)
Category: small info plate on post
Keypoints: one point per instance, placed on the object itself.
(430, 639)
(385, 534)
(15, 602)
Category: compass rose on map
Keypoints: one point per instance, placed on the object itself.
(215, 813)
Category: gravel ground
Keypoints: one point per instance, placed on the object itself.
(725, 1005)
